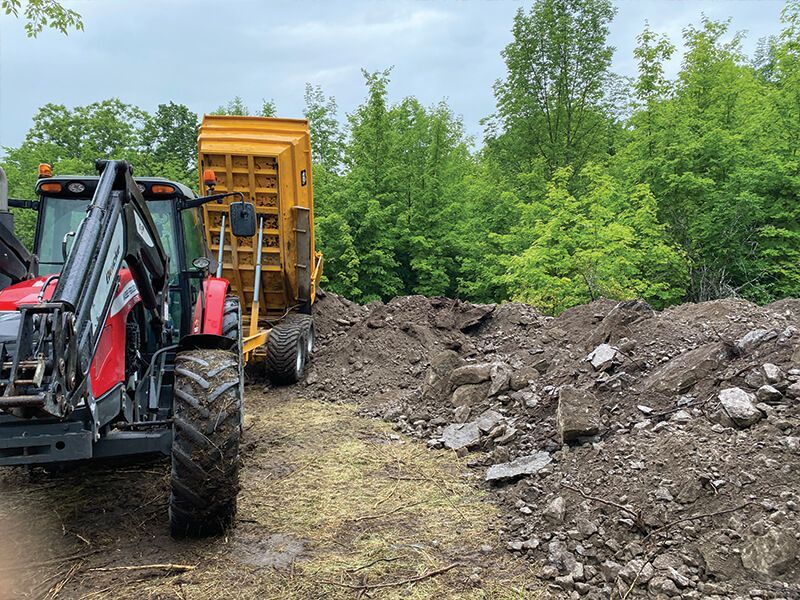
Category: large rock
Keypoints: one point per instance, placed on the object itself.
(739, 406)
(437, 383)
(767, 393)
(488, 419)
(682, 372)
(474, 316)
(772, 553)
(500, 375)
(616, 324)
(461, 435)
(772, 373)
(603, 357)
(556, 509)
(471, 374)
(524, 377)
(577, 415)
(524, 465)
(753, 339)
(469, 395)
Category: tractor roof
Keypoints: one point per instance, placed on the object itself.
(90, 183)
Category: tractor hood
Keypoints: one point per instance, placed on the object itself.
(26, 292)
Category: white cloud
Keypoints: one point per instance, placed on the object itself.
(204, 52)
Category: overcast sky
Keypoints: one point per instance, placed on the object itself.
(202, 52)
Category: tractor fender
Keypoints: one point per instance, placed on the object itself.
(205, 341)
(209, 310)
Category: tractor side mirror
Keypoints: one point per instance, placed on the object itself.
(243, 219)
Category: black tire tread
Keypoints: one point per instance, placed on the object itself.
(306, 323)
(282, 352)
(205, 455)
(231, 319)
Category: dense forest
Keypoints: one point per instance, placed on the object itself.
(586, 183)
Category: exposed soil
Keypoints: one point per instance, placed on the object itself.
(640, 446)
(631, 453)
(331, 504)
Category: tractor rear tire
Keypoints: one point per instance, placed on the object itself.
(205, 450)
(286, 353)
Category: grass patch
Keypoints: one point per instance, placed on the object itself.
(332, 506)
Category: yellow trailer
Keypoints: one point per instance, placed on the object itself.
(276, 272)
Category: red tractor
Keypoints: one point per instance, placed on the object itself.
(122, 343)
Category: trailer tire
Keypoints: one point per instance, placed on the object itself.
(232, 320)
(306, 324)
(286, 353)
(205, 450)
(232, 329)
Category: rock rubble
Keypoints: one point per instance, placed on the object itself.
(635, 453)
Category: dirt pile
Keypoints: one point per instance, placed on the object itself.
(637, 453)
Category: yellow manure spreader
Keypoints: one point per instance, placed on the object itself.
(276, 270)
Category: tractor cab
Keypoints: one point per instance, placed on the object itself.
(61, 206)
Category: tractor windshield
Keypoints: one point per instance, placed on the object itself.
(60, 216)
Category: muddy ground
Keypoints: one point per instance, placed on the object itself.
(439, 449)
(331, 504)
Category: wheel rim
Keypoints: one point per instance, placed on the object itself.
(299, 358)
(310, 339)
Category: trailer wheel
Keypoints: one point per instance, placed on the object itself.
(205, 449)
(232, 329)
(306, 324)
(232, 320)
(286, 353)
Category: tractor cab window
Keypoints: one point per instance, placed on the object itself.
(162, 213)
(193, 234)
(60, 217)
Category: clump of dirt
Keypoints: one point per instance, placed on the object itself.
(637, 453)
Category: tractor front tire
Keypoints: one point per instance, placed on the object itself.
(286, 353)
(205, 450)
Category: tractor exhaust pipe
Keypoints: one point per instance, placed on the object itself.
(6, 218)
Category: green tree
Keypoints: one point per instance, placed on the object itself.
(367, 202)
(550, 109)
(605, 242)
(169, 137)
(235, 107)
(326, 132)
(41, 14)
(268, 109)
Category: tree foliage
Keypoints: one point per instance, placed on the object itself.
(43, 14)
(237, 107)
(587, 184)
(160, 144)
(550, 106)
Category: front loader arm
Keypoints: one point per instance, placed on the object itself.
(58, 339)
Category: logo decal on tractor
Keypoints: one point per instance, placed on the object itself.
(142, 230)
